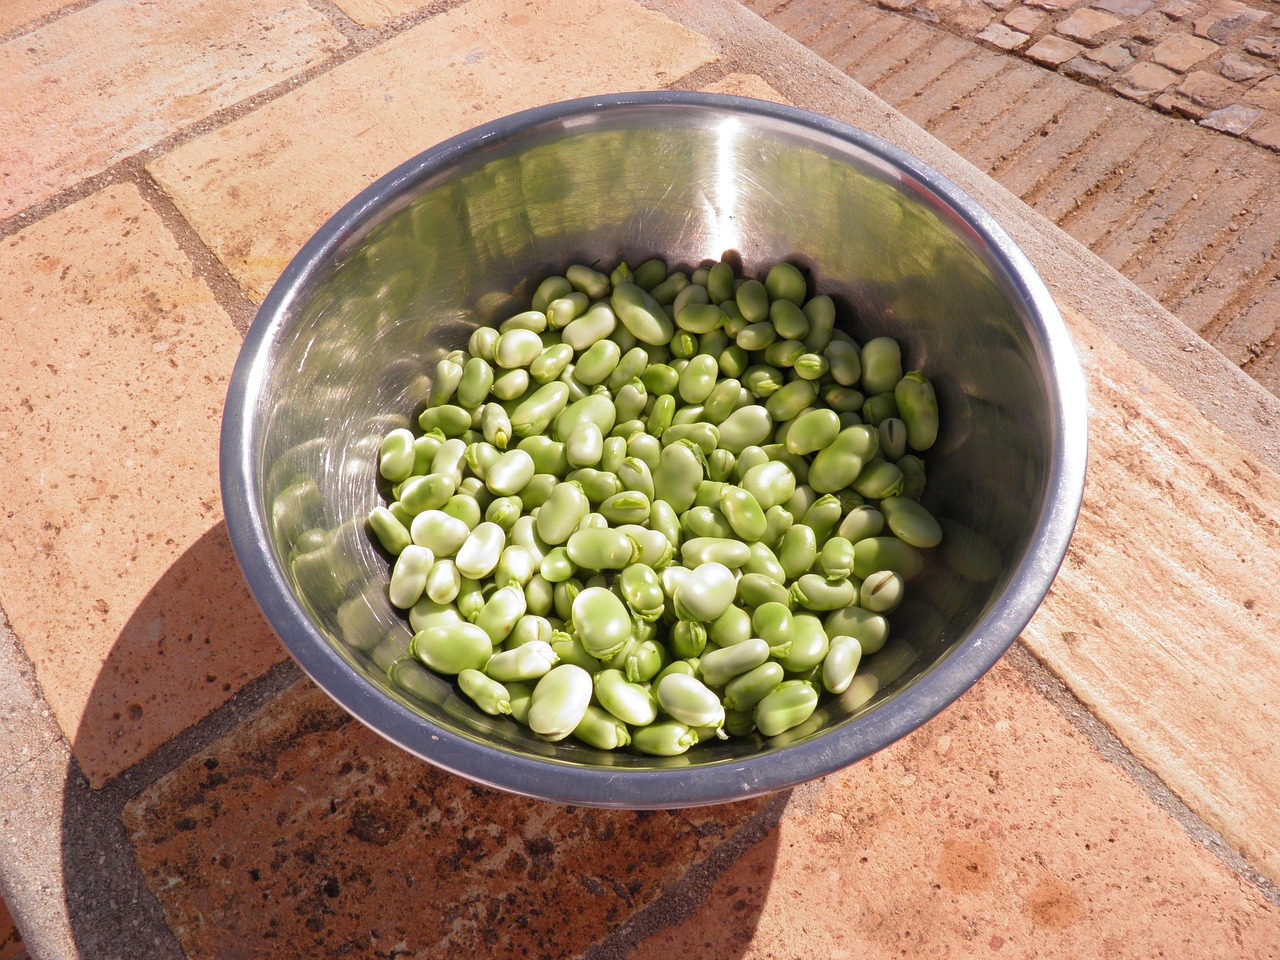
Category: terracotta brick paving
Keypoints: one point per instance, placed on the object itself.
(1000, 827)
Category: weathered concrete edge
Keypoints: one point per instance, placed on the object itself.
(1077, 277)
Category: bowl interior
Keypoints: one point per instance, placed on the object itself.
(343, 349)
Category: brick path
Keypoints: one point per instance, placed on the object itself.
(1082, 111)
(174, 786)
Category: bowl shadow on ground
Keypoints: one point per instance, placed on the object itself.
(280, 826)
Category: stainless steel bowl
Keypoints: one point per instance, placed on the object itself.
(343, 348)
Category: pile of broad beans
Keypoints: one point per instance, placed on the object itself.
(658, 507)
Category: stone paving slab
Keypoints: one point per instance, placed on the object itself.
(151, 76)
(115, 570)
(16, 15)
(991, 831)
(256, 189)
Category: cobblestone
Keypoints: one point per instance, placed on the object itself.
(1088, 26)
(1181, 52)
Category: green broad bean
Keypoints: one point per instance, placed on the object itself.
(774, 623)
(810, 366)
(745, 690)
(548, 455)
(783, 353)
(734, 361)
(731, 627)
(694, 293)
(649, 274)
(823, 516)
(477, 381)
(600, 549)
(396, 455)
(739, 723)
(570, 650)
(562, 596)
(688, 638)
(452, 648)
(786, 282)
(510, 472)
(913, 476)
(844, 362)
(815, 592)
(910, 522)
(552, 362)
(660, 379)
(528, 661)
(870, 629)
(480, 456)
(699, 318)
(640, 313)
(752, 299)
(720, 282)
(505, 511)
(821, 311)
(511, 385)
(697, 551)
(918, 408)
(480, 552)
(838, 464)
(836, 558)
(757, 589)
(777, 521)
(663, 519)
(689, 701)
(630, 366)
(597, 408)
(791, 400)
(584, 446)
(755, 337)
(390, 532)
(586, 280)
(709, 493)
(706, 592)
(644, 661)
(531, 628)
(840, 664)
(586, 329)
(632, 703)
(596, 484)
(500, 612)
(763, 560)
(627, 506)
(878, 408)
(630, 401)
(559, 702)
(798, 550)
(636, 476)
(879, 479)
(722, 401)
(552, 288)
(843, 399)
(763, 381)
(482, 341)
(705, 436)
(641, 590)
(809, 645)
(425, 448)
(664, 738)
(881, 592)
(721, 465)
(743, 512)
(538, 489)
(450, 419)
(614, 450)
(705, 522)
(788, 705)
(679, 471)
(443, 581)
(520, 695)
(534, 414)
(893, 438)
(428, 613)
(881, 365)
(409, 576)
(516, 348)
(486, 693)
(539, 593)
(599, 729)
(745, 427)
(698, 378)
(719, 667)
(886, 553)
(448, 375)
(789, 320)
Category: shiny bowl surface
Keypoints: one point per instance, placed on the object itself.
(343, 348)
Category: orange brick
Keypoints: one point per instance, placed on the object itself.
(19, 13)
(302, 827)
(258, 188)
(996, 830)
(115, 570)
(371, 13)
(104, 82)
